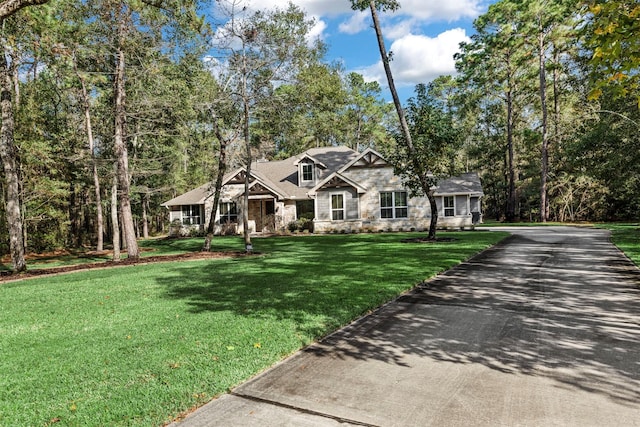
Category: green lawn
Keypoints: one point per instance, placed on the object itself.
(147, 248)
(138, 345)
(627, 238)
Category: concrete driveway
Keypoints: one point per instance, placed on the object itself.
(541, 330)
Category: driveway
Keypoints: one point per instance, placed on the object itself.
(541, 330)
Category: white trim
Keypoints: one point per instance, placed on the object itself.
(313, 160)
(358, 158)
(301, 173)
(393, 206)
(444, 208)
(344, 205)
(359, 188)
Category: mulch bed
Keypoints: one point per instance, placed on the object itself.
(427, 240)
(6, 276)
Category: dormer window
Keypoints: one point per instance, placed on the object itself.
(307, 172)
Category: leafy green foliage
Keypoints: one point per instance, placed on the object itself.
(612, 34)
(436, 140)
(382, 5)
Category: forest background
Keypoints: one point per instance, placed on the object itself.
(109, 108)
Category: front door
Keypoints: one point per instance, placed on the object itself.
(262, 211)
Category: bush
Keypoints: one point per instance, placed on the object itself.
(300, 225)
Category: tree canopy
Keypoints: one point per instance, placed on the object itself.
(544, 107)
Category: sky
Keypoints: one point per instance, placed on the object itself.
(423, 36)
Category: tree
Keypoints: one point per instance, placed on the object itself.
(496, 68)
(436, 140)
(366, 113)
(307, 111)
(131, 30)
(611, 32)
(10, 164)
(10, 7)
(426, 180)
(8, 152)
(544, 23)
(261, 50)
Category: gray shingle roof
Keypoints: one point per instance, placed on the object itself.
(462, 184)
(282, 176)
(196, 196)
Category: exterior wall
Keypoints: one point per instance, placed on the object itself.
(177, 228)
(464, 207)
(383, 179)
(289, 212)
(362, 212)
(375, 180)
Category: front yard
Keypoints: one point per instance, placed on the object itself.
(138, 345)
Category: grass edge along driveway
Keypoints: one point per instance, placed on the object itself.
(140, 345)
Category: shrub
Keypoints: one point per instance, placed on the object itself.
(301, 225)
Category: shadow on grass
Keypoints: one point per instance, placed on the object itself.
(319, 282)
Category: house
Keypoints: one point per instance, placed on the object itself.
(342, 190)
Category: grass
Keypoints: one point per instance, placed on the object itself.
(147, 248)
(138, 345)
(627, 238)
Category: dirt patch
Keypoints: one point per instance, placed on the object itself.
(6, 276)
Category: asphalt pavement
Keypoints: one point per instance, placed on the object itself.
(540, 330)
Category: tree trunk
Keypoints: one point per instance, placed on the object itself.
(94, 166)
(121, 151)
(11, 166)
(145, 219)
(115, 227)
(424, 179)
(222, 168)
(434, 215)
(247, 142)
(510, 211)
(544, 149)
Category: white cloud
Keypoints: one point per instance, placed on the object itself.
(357, 23)
(424, 10)
(317, 8)
(419, 59)
(446, 10)
(317, 32)
(397, 30)
(413, 13)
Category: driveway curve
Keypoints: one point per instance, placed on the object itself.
(540, 330)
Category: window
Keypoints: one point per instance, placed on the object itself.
(393, 204)
(191, 215)
(307, 172)
(228, 213)
(337, 207)
(449, 206)
(305, 209)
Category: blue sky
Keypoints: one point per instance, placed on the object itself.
(423, 36)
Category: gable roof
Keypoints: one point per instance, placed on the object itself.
(280, 177)
(337, 180)
(368, 159)
(196, 196)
